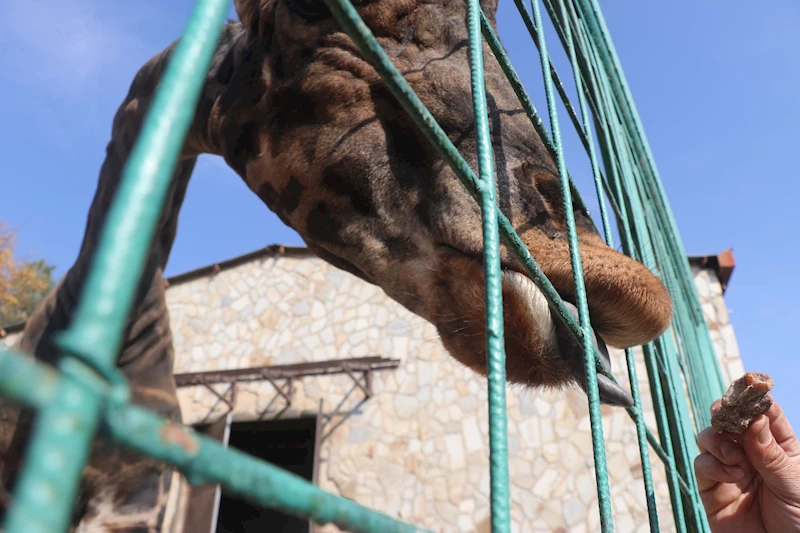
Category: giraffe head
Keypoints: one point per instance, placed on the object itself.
(315, 133)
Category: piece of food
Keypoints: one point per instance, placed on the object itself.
(745, 400)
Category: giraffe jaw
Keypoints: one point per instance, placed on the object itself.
(540, 351)
(557, 334)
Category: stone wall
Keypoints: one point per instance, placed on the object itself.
(418, 449)
(716, 313)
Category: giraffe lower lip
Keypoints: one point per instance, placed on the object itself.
(610, 392)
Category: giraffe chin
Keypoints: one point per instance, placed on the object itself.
(540, 351)
(610, 392)
(570, 350)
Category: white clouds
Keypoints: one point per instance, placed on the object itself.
(60, 46)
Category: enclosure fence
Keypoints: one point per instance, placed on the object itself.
(86, 394)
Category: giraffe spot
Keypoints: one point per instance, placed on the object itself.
(290, 109)
(401, 248)
(242, 142)
(321, 226)
(355, 188)
(269, 196)
(137, 528)
(423, 214)
(138, 492)
(290, 196)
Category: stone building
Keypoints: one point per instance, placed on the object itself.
(293, 360)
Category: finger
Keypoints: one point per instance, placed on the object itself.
(721, 447)
(769, 459)
(716, 406)
(782, 430)
(710, 471)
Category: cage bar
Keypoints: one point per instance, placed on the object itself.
(86, 394)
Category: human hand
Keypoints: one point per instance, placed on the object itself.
(750, 483)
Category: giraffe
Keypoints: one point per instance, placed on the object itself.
(296, 112)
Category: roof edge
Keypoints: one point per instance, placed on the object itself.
(722, 263)
(272, 250)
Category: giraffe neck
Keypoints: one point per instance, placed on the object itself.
(121, 490)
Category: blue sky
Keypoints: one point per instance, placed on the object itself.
(713, 81)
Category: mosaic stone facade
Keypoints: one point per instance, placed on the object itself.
(418, 449)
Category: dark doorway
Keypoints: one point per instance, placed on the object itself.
(288, 444)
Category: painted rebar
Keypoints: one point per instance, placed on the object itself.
(86, 389)
(590, 365)
(587, 129)
(63, 431)
(630, 244)
(353, 24)
(644, 456)
(201, 459)
(527, 104)
(636, 411)
(493, 281)
(658, 395)
(97, 329)
(596, 27)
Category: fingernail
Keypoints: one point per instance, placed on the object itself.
(734, 471)
(715, 406)
(765, 435)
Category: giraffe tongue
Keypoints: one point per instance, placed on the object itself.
(610, 392)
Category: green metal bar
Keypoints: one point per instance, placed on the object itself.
(635, 412)
(596, 420)
(516, 83)
(643, 433)
(691, 494)
(679, 416)
(680, 453)
(647, 474)
(493, 278)
(524, 99)
(351, 22)
(591, 13)
(699, 372)
(533, 30)
(666, 439)
(629, 236)
(587, 130)
(200, 459)
(687, 448)
(72, 403)
(204, 460)
(55, 458)
(97, 328)
(583, 132)
(63, 431)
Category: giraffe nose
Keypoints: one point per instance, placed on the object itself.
(610, 392)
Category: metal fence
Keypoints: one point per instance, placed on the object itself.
(87, 394)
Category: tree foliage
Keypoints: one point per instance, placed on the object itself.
(23, 284)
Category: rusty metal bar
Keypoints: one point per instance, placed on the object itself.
(319, 368)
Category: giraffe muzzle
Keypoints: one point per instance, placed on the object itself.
(610, 392)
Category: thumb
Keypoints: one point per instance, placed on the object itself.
(776, 468)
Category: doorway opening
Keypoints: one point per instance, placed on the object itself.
(289, 444)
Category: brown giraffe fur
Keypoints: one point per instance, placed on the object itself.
(310, 127)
